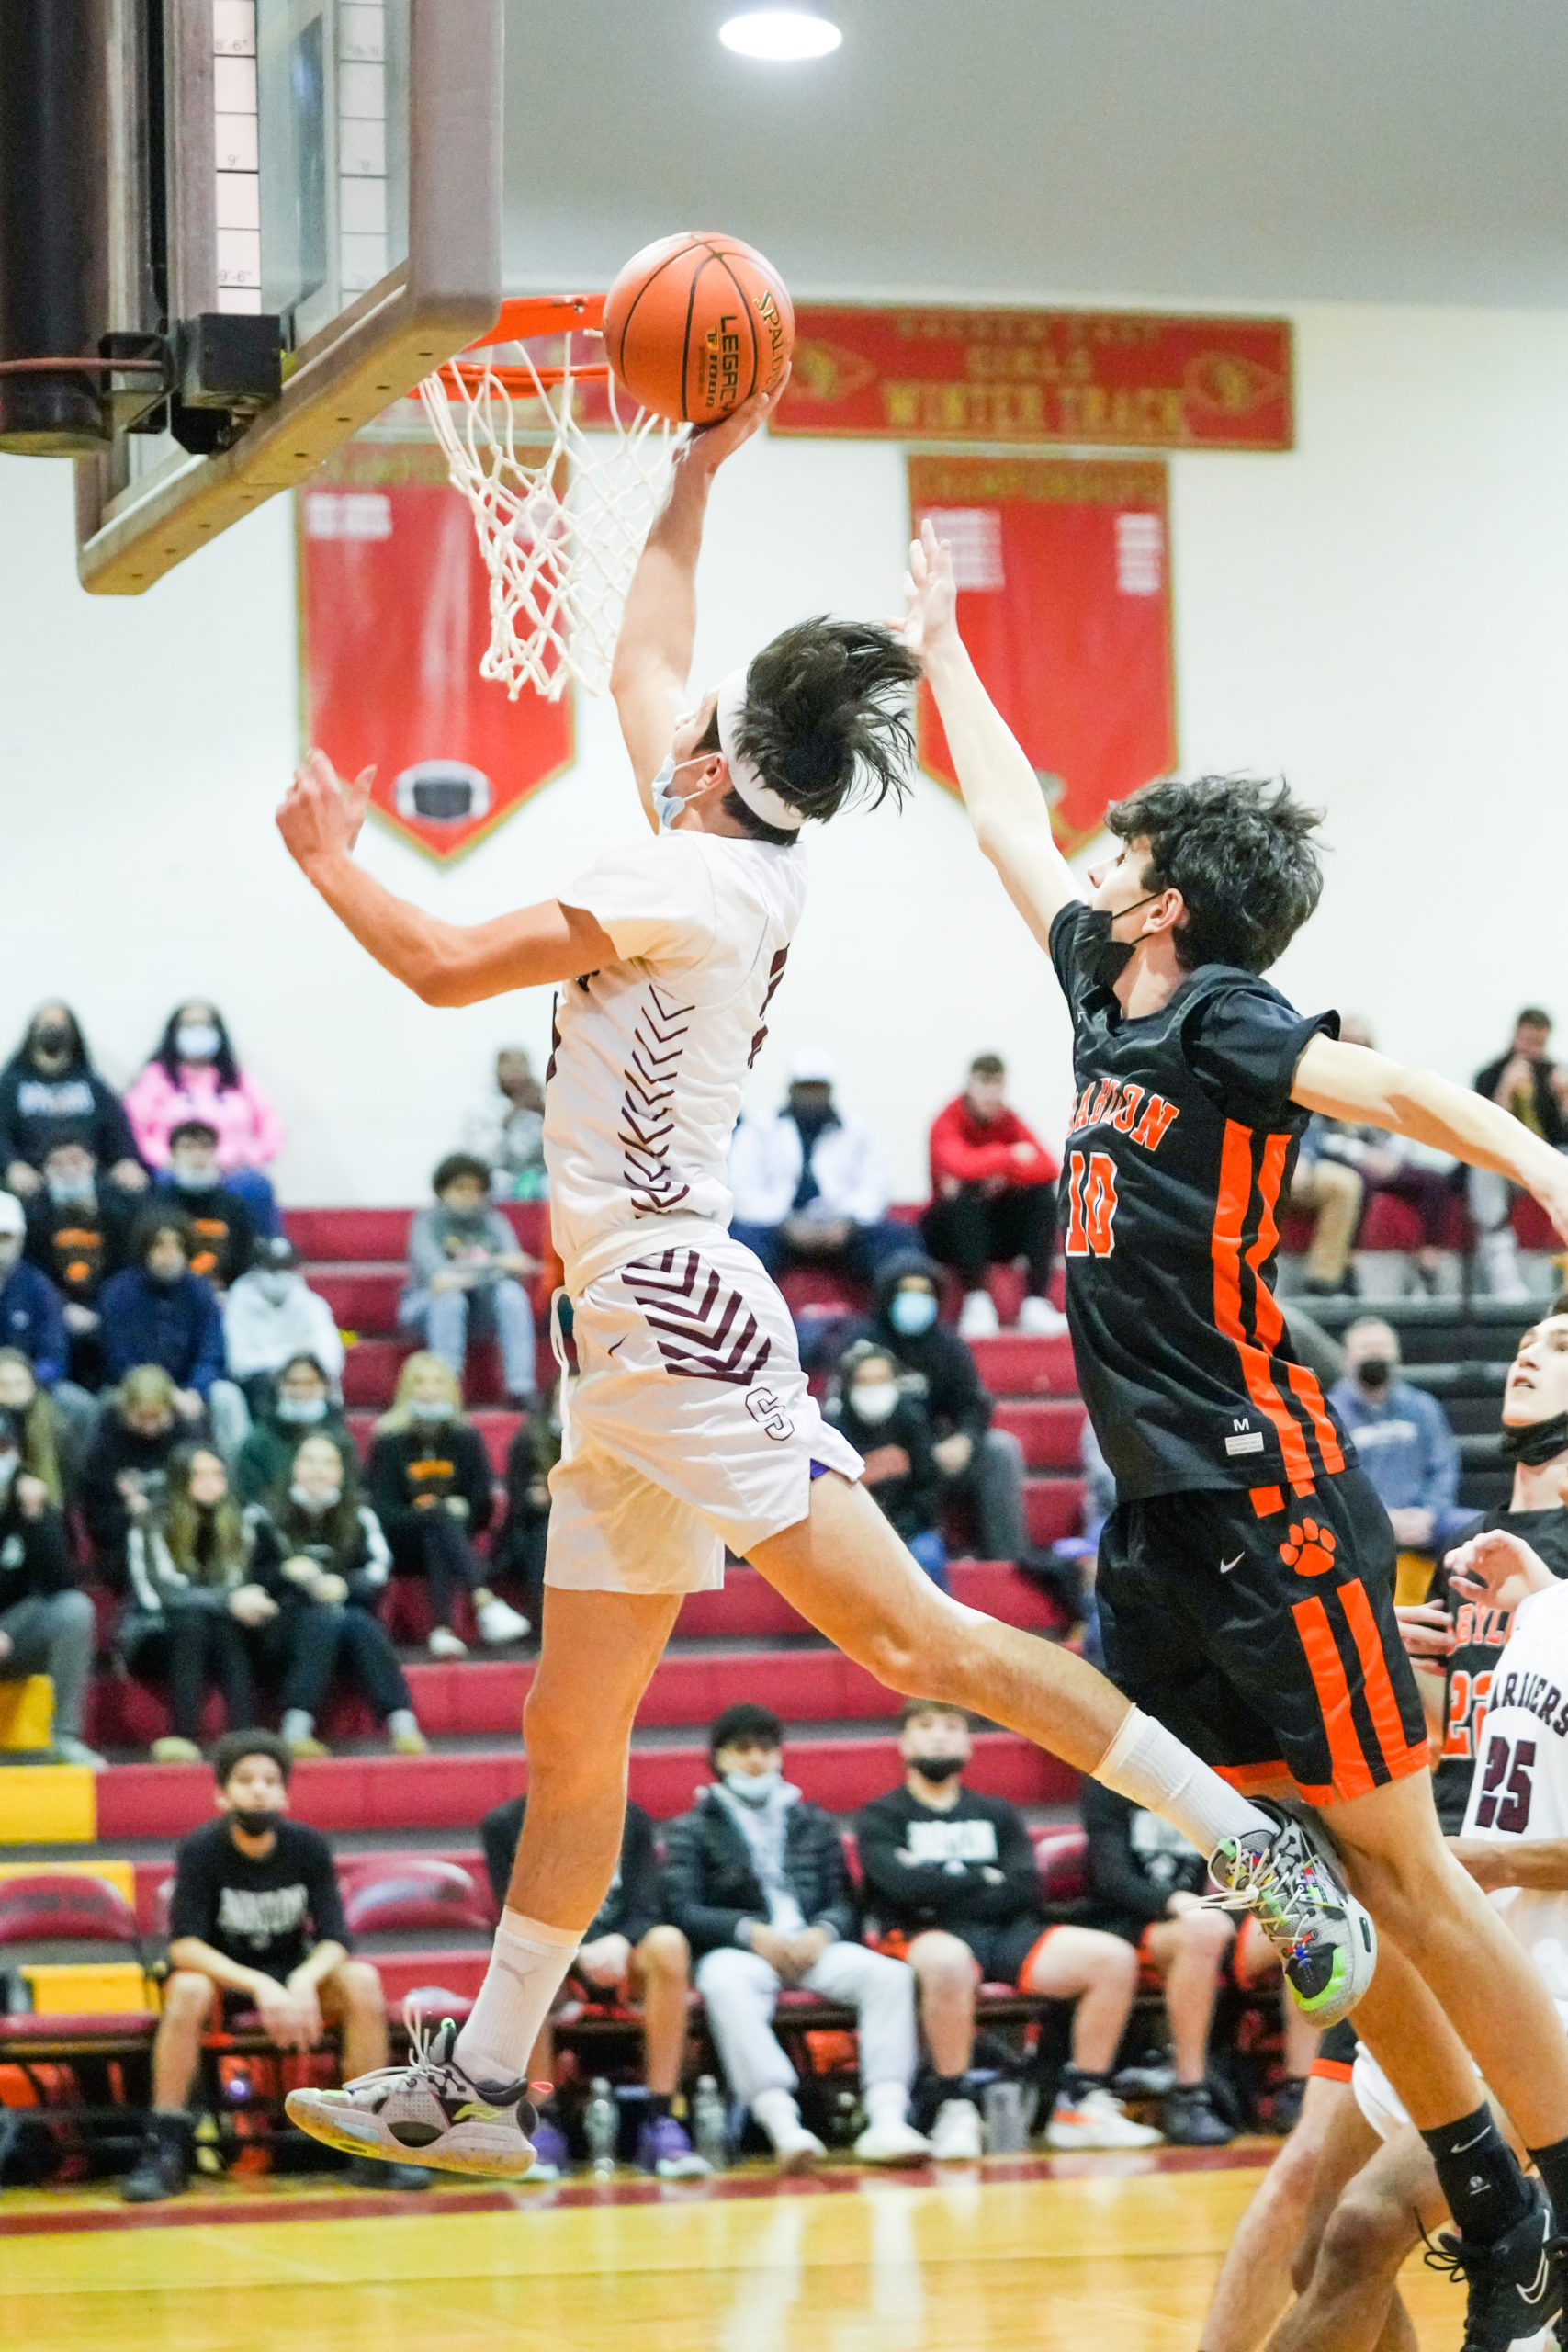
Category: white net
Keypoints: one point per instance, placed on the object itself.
(561, 513)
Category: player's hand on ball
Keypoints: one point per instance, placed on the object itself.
(321, 814)
(711, 443)
(931, 593)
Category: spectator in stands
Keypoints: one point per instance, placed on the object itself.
(255, 1923)
(1404, 1443)
(1424, 1179)
(49, 1094)
(1331, 1193)
(138, 1430)
(466, 1274)
(627, 1954)
(507, 1129)
(271, 1317)
(223, 1229)
(756, 1879)
(78, 1235)
(194, 1075)
(430, 1486)
(36, 1420)
(809, 1184)
(993, 1199)
(331, 1571)
(888, 1428)
(302, 1404)
(157, 1311)
(982, 1464)
(46, 1627)
(32, 1320)
(1526, 1082)
(194, 1594)
(517, 1549)
(1145, 1881)
(951, 1878)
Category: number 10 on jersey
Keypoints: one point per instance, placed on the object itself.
(1091, 1193)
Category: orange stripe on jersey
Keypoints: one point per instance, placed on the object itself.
(1230, 1220)
(1352, 1774)
(1266, 1500)
(1304, 1382)
(1382, 1704)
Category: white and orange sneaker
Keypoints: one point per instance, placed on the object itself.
(430, 2112)
(1093, 2118)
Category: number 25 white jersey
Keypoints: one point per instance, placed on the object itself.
(1520, 1789)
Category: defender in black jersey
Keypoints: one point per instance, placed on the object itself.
(1245, 1579)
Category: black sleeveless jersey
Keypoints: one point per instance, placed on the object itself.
(1480, 1632)
(1181, 1145)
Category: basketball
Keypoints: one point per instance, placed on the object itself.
(695, 324)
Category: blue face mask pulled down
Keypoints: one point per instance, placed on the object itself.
(912, 1312)
(668, 805)
(753, 1788)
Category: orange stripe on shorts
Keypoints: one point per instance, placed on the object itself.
(1382, 1706)
(1351, 1773)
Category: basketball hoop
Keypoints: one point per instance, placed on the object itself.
(561, 509)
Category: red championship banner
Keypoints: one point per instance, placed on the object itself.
(1123, 378)
(1064, 602)
(394, 611)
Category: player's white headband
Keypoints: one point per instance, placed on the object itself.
(744, 774)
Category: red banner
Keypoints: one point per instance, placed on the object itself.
(1123, 378)
(1064, 602)
(394, 608)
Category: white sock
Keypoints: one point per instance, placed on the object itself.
(297, 1725)
(402, 1719)
(527, 1966)
(777, 2113)
(1150, 1765)
(887, 2103)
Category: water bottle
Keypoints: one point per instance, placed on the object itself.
(602, 2127)
(1005, 2135)
(710, 2123)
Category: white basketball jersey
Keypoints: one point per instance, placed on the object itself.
(651, 1053)
(1520, 1789)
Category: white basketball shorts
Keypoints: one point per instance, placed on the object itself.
(688, 1426)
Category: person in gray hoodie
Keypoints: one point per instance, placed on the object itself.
(466, 1275)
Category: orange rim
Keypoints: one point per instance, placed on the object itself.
(521, 320)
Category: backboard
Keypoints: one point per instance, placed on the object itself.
(302, 218)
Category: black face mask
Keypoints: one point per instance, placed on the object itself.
(939, 1768)
(256, 1820)
(1104, 958)
(1537, 1442)
(1376, 1372)
(52, 1041)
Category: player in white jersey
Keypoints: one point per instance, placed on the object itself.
(689, 1424)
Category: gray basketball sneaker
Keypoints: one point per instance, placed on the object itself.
(1289, 1876)
(429, 2112)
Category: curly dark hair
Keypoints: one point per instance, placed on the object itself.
(828, 719)
(746, 1724)
(1239, 850)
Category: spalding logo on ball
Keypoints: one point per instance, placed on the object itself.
(695, 324)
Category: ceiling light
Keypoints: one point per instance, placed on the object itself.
(781, 36)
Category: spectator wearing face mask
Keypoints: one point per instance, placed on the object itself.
(517, 1548)
(138, 1430)
(466, 1274)
(303, 1404)
(272, 1316)
(158, 1312)
(507, 1129)
(223, 1233)
(49, 1094)
(1402, 1442)
(887, 1425)
(809, 1186)
(430, 1486)
(46, 1627)
(993, 1200)
(194, 1074)
(79, 1234)
(32, 1320)
(331, 1569)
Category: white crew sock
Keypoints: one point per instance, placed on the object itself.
(401, 1719)
(887, 2103)
(297, 1725)
(1150, 1765)
(777, 2113)
(527, 1966)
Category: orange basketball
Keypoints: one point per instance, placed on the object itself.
(695, 324)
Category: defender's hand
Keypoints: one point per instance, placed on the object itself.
(1498, 1567)
(322, 814)
(931, 593)
(1425, 1629)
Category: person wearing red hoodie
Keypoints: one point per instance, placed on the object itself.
(993, 1198)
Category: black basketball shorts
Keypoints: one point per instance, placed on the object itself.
(1260, 1629)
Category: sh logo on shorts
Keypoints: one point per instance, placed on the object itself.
(769, 1414)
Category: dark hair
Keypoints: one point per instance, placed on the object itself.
(913, 1707)
(339, 1527)
(826, 720)
(1535, 1018)
(457, 1164)
(303, 1355)
(193, 1131)
(81, 1059)
(1237, 849)
(167, 1054)
(155, 1221)
(179, 1518)
(235, 1747)
(756, 1726)
(987, 1066)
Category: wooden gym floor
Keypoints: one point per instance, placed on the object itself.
(1085, 2254)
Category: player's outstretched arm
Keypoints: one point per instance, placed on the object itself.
(443, 962)
(658, 624)
(1352, 1082)
(1001, 791)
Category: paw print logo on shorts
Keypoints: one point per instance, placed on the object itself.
(1310, 1550)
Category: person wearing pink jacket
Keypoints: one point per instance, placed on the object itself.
(194, 1075)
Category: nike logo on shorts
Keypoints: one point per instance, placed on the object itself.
(1226, 1565)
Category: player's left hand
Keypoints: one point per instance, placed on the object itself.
(1498, 1567)
(931, 593)
(321, 814)
(711, 443)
